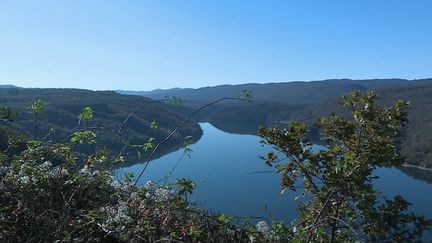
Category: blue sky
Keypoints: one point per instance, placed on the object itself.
(144, 45)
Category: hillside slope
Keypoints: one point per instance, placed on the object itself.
(110, 109)
(288, 92)
(271, 101)
(281, 103)
(417, 135)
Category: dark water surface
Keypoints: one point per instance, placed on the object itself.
(233, 180)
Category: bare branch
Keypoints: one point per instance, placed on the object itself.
(129, 116)
(177, 128)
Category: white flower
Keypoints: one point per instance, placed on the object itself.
(162, 195)
(46, 164)
(149, 185)
(115, 184)
(262, 227)
(85, 171)
(134, 196)
(118, 214)
(68, 182)
(24, 179)
(64, 172)
(251, 239)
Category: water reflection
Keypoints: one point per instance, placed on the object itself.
(233, 180)
(418, 174)
(251, 128)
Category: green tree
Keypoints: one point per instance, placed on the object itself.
(37, 106)
(85, 115)
(339, 201)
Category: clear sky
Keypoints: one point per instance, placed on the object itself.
(144, 45)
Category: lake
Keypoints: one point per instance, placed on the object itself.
(232, 179)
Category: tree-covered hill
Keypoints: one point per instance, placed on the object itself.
(417, 135)
(7, 86)
(286, 92)
(109, 111)
(270, 100)
(282, 103)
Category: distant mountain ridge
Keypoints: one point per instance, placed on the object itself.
(8, 86)
(297, 92)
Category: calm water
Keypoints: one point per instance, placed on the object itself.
(233, 180)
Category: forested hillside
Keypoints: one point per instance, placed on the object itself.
(415, 142)
(278, 104)
(288, 92)
(270, 100)
(60, 117)
(417, 135)
(6, 86)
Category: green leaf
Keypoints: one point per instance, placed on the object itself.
(84, 137)
(153, 125)
(37, 105)
(149, 144)
(86, 114)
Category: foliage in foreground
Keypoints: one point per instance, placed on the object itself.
(51, 192)
(339, 200)
(40, 202)
(48, 195)
(54, 113)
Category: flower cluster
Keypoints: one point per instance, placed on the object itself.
(54, 200)
(158, 194)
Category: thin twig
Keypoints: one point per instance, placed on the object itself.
(177, 128)
(260, 172)
(173, 168)
(346, 224)
(319, 214)
(129, 116)
(168, 240)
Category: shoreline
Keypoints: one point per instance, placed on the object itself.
(417, 167)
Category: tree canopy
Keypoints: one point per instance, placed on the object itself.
(339, 201)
